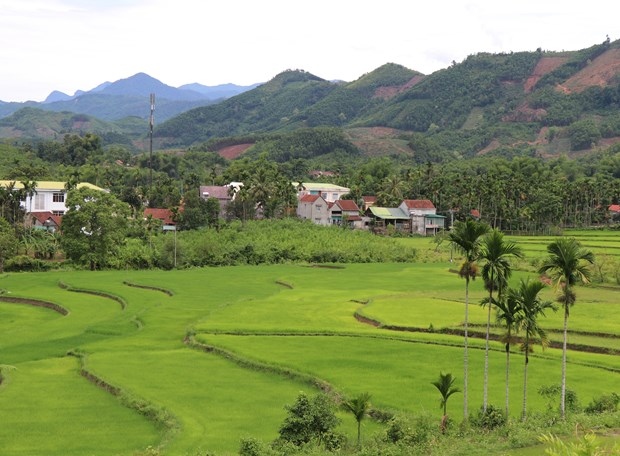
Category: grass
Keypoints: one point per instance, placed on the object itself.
(273, 321)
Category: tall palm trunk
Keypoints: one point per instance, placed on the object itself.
(564, 344)
(486, 351)
(527, 360)
(507, 371)
(466, 359)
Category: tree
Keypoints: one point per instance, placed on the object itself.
(30, 189)
(444, 385)
(508, 316)
(8, 242)
(358, 406)
(308, 420)
(566, 266)
(466, 238)
(94, 227)
(496, 270)
(526, 298)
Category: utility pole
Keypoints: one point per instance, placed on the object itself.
(151, 122)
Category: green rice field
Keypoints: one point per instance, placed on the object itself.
(192, 361)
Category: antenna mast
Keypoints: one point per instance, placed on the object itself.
(151, 122)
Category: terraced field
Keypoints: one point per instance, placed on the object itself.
(190, 361)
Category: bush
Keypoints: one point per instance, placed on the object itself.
(553, 392)
(604, 403)
(491, 419)
(24, 263)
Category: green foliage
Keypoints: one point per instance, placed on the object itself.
(277, 241)
(25, 263)
(8, 242)
(583, 134)
(603, 403)
(553, 392)
(308, 420)
(94, 227)
(490, 419)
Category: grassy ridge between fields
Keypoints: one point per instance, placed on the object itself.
(274, 331)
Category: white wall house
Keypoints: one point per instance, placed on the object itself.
(49, 196)
(315, 208)
(329, 192)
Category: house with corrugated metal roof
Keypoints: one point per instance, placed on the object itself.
(412, 216)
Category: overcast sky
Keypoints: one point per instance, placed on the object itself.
(71, 45)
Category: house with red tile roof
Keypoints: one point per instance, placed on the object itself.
(165, 216)
(44, 220)
(423, 216)
(345, 211)
(314, 208)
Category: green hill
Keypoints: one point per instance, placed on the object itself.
(518, 103)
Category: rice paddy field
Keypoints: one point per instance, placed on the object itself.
(189, 362)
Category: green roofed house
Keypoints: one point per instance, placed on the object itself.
(413, 216)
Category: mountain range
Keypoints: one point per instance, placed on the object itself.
(126, 97)
(537, 103)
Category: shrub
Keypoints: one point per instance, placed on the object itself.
(604, 403)
(491, 419)
(24, 263)
(553, 392)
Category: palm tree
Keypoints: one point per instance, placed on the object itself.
(508, 316)
(466, 238)
(527, 299)
(496, 270)
(444, 385)
(358, 406)
(567, 266)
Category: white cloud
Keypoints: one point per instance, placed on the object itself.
(77, 44)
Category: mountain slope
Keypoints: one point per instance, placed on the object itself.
(516, 103)
(268, 107)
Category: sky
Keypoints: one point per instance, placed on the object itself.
(70, 45)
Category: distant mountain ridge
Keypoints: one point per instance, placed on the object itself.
(125, 97)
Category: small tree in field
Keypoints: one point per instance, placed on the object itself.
(444, 385)
(358, 406)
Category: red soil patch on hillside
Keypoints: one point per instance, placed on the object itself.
(545, 65)
(601, 72)
(386, 93)
(232, 152)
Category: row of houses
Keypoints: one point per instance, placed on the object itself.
(323, 204)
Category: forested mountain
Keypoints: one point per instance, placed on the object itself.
(518, 103)
(130, 97)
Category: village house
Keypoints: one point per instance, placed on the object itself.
(315, 208)
(423, 216)
(345, 212)
(223, 193)
(165, 216)
(43, 221)
(329, 192)
(412, 216)
(48, 196)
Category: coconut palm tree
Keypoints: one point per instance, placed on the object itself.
(444, 385)
(567, 265)
(466, 238)
(531, 307)
(508, 316)
(358, 406)
(496, 270)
